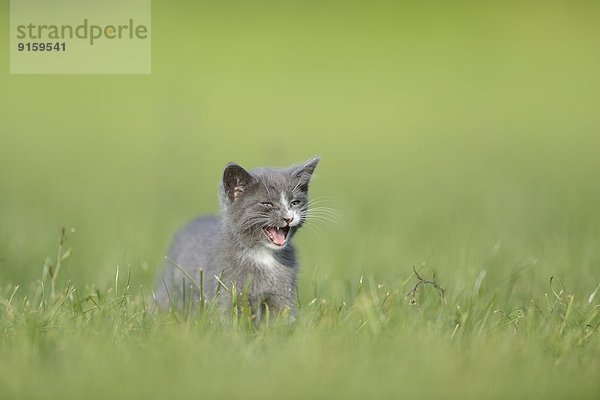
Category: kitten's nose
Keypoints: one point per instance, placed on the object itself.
(288, 219)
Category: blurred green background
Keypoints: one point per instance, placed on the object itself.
(446, 129)
(459, 135)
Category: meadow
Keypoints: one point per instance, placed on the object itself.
(459, 139)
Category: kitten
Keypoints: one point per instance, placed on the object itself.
(247, 247)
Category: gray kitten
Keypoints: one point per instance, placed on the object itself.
(247, 247)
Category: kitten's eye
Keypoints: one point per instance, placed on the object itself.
(267, 204)
(294, 203)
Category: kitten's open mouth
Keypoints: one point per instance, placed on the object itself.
(276, 235)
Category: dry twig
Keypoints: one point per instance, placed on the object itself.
(412, 295)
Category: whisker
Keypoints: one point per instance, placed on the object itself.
(333, 214)
(267, 188)
(252, 221)
(318, 211)
(315, 231)
(325, 221)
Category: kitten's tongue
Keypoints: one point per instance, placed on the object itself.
(278, 236)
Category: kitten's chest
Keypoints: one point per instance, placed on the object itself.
(265, 271)
(261, 260)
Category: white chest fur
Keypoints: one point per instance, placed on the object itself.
(263, 259)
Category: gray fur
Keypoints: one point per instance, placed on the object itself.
(233, 245)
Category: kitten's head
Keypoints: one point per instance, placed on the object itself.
(265, 206)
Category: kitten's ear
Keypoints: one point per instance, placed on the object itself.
(235, 181)
(304, 172)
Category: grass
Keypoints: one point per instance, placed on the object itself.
(456, 139)
(363, 340)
